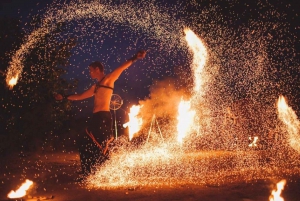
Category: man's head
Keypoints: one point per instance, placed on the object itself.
(97, 64)
(96, 70)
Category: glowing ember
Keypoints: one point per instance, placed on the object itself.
(21, 192)
(13, 81)
(185, 119)
(275, 195)
(253, 144)
(135, 122)
(289, 118)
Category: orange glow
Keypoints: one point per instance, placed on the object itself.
(253, 144)
(275, 195)
(185, 119)
(201, 77)
(21, 192)
(13, 81)
(199, 58)
(135, 122)
(289, 118)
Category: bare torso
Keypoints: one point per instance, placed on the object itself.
(102, 96)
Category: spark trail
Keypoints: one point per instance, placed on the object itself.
(169, 165)
(144, 15)
(288, 116)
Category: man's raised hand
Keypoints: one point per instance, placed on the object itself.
(58, 97)
(141, 54)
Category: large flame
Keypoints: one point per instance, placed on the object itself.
(289, 118)
(199, 58)
(185, 119)
(21, 192)
(275, 195)
(135, 122)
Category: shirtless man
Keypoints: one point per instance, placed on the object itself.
(99, 132)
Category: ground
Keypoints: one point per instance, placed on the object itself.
(54, 174)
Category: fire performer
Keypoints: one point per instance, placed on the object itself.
(93, 147)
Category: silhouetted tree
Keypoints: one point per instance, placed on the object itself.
(30, 115)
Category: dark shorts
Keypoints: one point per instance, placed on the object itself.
(101, 126)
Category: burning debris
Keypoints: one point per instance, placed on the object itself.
(21, 192)
(276, 194)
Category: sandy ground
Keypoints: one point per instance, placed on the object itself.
(54, 174)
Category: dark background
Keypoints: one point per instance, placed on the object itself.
(120, 43)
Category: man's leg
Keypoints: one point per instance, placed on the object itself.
(101, 130)
(87, 154)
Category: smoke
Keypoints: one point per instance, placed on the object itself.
(163, 100)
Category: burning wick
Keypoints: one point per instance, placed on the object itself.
(21, 192)
(275, 195)
(13, 81)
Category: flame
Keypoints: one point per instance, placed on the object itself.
(289, 118)
(13, 81)
(275, 195)
(134, 123)
(199, 57)
(185, 119)
(253, 144)
(21, 192)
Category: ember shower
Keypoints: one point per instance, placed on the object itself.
(239, 76)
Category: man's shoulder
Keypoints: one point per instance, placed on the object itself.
(109, 77)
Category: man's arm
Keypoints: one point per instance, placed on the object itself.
(113, 76)
(86, 94)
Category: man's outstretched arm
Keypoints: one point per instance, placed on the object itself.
(113, 76)
(86, 94)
